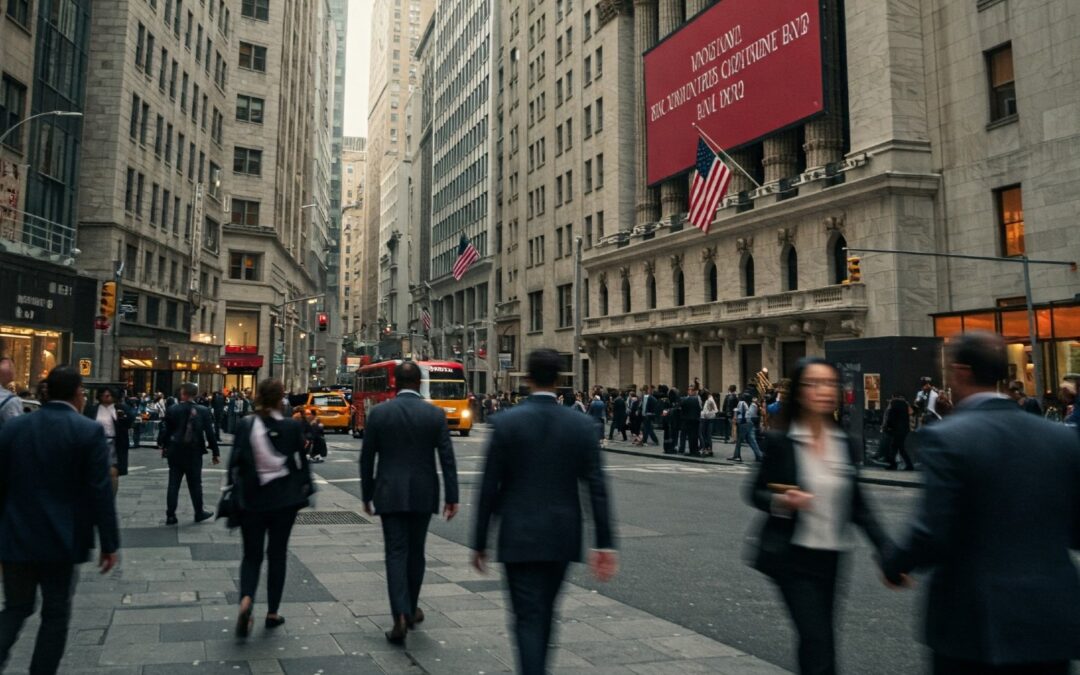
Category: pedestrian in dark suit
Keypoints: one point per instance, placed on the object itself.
(690, 422)
(115, 418)
(531, 480)
(808, 485)
(1000, 511)
(672, 420)
(896, 425)
(618, 417)
(217, 407)
(54, 491)
(650, 408)
(269, 472)
(405, 434)
(184, 438)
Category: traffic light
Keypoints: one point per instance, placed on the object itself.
(107, 307)
(388, 329)
(854, 274)
(324, 321)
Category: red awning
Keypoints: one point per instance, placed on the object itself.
(242, 362)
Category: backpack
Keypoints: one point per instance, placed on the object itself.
(187, 439)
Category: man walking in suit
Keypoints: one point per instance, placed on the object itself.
(116, 419)
(649, 407)
(690, 421)
(405, 434)
(1000, 511)
(531, 480)
(618, 417)
(183, 440)
(54, 490)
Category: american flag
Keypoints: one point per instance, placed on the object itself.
(467, 255)
(710, 184)
(425, 320)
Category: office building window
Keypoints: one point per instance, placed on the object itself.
(566, 305)
(19, 11)
(252, 57)
(247, 160)
(1010, 215)
(245, 212)
(536, 311)
(999, 63)
(244, 266)
(249, 109)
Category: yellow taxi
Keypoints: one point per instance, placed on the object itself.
(330, 407)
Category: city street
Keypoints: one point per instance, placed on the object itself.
(683, 531)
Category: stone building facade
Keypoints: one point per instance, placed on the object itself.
(950, 135)
(151, 183)
(353, 156)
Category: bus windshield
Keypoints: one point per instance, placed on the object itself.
(443, 390)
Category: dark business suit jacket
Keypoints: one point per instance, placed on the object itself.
(1000, 511)
(897, 416)
(538, 454)
(780, 466)
(176, 417)
(405, 434)
(690, 409)
(618, 409)
(54, 487)
(123, 425)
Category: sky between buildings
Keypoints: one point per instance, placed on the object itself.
(357, 56)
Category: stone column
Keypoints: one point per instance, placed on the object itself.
(673, 194)
(781, 156)
(825, 134)
(739, 181)
(695, 6)
(648, 210)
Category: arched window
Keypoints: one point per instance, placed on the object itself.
(626, 295)
(838, 259)
(603, 300)
(789, 263)
(711, 288)
(650, 291)
(680, 288)
(748, 275)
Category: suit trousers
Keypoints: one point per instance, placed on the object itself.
(404, 535)
(617, 424)
(269, 530)
(187, 467)
(21, 581)
(691, 433)
(944, 665)
(808, 587)
(534, 586)
(647, 432)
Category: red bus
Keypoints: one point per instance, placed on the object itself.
(442, 383)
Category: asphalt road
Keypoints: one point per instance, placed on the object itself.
(682, 535)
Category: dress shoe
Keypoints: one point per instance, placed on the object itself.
(205, 515)
(274, 621)
(417, 617)
(171, 520)
(397, 635)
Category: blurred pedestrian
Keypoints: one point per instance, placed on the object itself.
(531, 480)
(808, 486)
(185, 435)
(895, 427)
(598, 412)
(1027, 403)
(10, 405)
(316, 435)
(269, 472)
(709, 412)
(650, 408)
(745, 414)
(48, 517)
(995, 527)
(618, 417)
(405, 434)
(116, 419)
(690, 422)
(727, 410)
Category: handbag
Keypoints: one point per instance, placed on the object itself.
(229, 506)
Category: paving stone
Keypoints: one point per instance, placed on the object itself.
(481, 585)
(200, 668)
(398, 662)
(91, 636)
(147, 537)
(265, 645)
(216, 552)
(197, 631)
(160, 599)
(157, 615)
(460, 661)
(615, 652)
(691, 647)
(137, 654)
(144, 634)
(455, 603)
(478, 617)
(332, 665)
(265, 667)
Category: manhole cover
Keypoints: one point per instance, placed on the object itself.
(330, 518)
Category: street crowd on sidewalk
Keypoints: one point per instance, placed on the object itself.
(997, 519)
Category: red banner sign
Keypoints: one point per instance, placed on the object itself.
(741, 70)
(241, 362)
(241, 349)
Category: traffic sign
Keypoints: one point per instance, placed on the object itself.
(279, 359)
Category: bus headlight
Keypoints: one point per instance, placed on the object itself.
(466, 414)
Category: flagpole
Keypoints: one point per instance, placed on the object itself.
(719, 150)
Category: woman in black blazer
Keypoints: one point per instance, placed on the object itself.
(808, 486)
(268, 469)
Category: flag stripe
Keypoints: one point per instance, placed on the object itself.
(465, 260)
(707, 194)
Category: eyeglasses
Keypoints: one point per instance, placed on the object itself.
(820, 383)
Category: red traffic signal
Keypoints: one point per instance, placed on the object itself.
(324, 321)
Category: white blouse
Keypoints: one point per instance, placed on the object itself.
(831, 479)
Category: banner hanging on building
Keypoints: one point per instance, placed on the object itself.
(741, 70)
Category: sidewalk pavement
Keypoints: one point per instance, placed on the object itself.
(867, 474)
(170, 607)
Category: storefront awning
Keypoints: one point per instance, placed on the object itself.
(247, 362)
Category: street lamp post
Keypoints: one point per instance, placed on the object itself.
(280, 311)
(51, 113)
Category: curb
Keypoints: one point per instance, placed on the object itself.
(873, 480)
